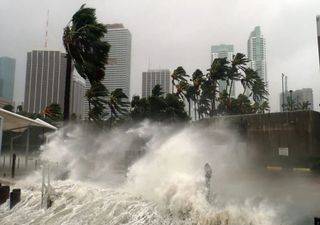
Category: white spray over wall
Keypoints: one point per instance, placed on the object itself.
(165, 185)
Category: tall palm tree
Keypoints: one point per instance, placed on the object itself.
(177, 76)
(238, 64)
(82, 38)
(97, 99)
(197, 79)
(248, 79)
(259, 90)
(118, 103)
(218, 71)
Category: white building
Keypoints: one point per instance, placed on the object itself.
(257, 53)
(153, 77)
(223, 51)
(45, 82)
(117, 73)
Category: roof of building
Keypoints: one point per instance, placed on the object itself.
(18, 123)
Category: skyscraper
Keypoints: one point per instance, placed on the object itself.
(45, 81)
(223, 51)
(318, 34)
(119, 60)
(153, 77)
(7, 74)
(257, 53)
(117, 73)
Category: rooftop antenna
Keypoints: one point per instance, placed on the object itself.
(47, 28)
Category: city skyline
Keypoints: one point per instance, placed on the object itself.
(166, 38)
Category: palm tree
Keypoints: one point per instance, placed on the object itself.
(178, 75)
(118, 103)
(248, 79)
(190, 93)
(218, 71)
(197, 79)
(238, 64)
(97, 99)
(259, 90)
(157, 91)
(264, 107)
(53, 112)
(82, 38)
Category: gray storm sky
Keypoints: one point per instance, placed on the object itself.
(178, 32)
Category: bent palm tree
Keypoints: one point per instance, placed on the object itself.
(97, 98)
(178, 75)
(118, 103)
(53, 112)
(82, 38)
(218, 71)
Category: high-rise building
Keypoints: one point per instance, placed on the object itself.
(78, 91)
(318, 34)
(7, 74)
(299, 97)
(223, 51)
(45, 81)
(153, 77)
(117, 73)
(257, 53)
(119, 60)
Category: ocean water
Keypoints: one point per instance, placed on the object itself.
(94, 182)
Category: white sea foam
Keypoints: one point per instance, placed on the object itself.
(164, 186)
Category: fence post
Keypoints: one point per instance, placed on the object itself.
(15, 197)
(4, 194)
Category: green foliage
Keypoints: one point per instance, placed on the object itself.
(159, 108)
(104, 106)
(53, 112)
(8, 107)
(83, 38)
(83, 41)
(209, 100)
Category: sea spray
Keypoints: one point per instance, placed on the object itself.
(166, 185)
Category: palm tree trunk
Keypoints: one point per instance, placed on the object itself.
(213, 100)
(229, 97)
(244, 90)
(66, 108)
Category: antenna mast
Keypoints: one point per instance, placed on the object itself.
(47, 28)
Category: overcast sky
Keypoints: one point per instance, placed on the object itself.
(178, 32)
